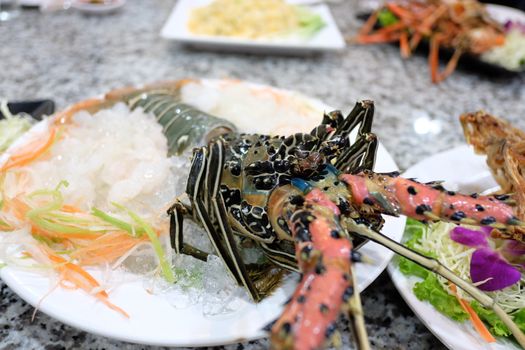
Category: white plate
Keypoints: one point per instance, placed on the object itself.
(104, 8)
(328, 38)
(503, 14)
(153, 320)
(461, 170)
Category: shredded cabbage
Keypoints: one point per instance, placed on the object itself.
(12, 126)
(511, 54)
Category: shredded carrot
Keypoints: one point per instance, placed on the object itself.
(82, 279)
(71, 209)
(478, 324)
(106, 248)
(369, 25)
(433, 58)
(403, 45)
(30, 152)
(399, 11)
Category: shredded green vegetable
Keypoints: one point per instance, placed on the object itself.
(12, 126)
(386, 18)
(310, 22)
(435, 238)
(165, 266)
(135, 232)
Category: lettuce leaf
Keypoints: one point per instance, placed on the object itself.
(433, 292)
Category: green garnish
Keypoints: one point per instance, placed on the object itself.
(386, 18)
(165, 266)
(12, 126)
(135, 232)
(309, 22)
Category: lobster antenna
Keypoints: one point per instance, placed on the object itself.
(357, 316)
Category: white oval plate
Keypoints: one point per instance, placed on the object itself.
(462, 170)
(153, 320)
(503, 14)
(328, 38)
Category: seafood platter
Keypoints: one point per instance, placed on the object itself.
(206, 228)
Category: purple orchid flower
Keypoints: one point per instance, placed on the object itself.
(487, 264)
(510, 25)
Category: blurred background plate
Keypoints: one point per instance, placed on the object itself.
(328, 38)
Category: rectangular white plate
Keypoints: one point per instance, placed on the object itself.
(329, 38)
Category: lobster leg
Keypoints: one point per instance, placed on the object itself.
(360, 156)
(215, 162)
(177, 212)
(324, 254)
(196, 190)
(435, 266)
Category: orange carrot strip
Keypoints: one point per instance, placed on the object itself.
(378, 38)
(479, 326)
(78, 270)
(399, 11)
(433, 58)
(71, 209)
(403, 45)
(369, 24)
(65, 116)
(451, 65)
(415, 40)
(29, 153)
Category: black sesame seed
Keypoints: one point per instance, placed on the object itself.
(319, 268)
(330, 330)
(355, 256)
(326, 188)
(349, 291)
(488, 220)
(324, 308)
(286, 328)
(474, 195)
(411, 190)
(457, 216)
(303, 235)
(301, 299)
(305, 252)
(451, 193)
(297, 200)
(422, 208)
(368, 201)
(502, 197)
(479, 207)
(335, 234)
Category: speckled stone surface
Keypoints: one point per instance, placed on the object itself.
(68, 56)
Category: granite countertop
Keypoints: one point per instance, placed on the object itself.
(68, 56)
